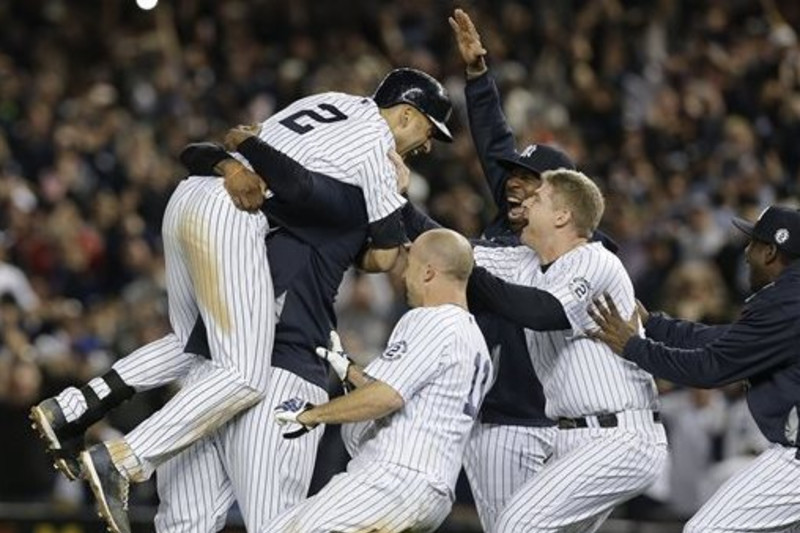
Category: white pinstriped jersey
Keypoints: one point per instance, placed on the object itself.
(344, 137)
(437, 360)
(579, 375)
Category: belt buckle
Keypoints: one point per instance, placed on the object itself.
(567, 423)
(608, 420)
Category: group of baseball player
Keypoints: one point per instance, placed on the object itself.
(521, 360)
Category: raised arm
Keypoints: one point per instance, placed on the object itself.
(491, 135)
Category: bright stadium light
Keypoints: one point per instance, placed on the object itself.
(146, 4)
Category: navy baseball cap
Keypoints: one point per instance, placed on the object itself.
(776, 225)
(538, 158)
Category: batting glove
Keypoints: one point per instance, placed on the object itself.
(286, 414)
(335, 356)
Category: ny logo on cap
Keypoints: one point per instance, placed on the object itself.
(529, 150)
(782, 235)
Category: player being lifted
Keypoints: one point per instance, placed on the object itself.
(407, 422)
(345, 136)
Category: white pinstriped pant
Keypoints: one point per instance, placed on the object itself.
(499, 459)
(765, 496)
(591, 471)
(247, 461)
(216, 266)
(378, 497)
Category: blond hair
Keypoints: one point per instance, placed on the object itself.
(576, 192)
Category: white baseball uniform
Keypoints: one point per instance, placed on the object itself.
(344, 137)
(404, 467)
(217, 268)
(593, 468)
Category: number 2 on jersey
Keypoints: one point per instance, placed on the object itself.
(332, 114)
(478, 387)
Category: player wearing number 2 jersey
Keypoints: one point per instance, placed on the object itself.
(408, 109)
(407, 422)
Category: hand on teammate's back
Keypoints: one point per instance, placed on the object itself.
(238, 135)
(613, 329)
(244, 186)
(469, 43)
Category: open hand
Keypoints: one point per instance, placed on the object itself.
(469, 42)
(614, 330)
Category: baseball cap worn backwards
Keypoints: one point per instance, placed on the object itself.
(776, 225)
(538, 158)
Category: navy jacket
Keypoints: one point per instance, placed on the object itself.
(762, 347)
(517, 397)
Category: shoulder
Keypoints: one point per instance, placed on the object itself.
(592, 258)
(502, 254)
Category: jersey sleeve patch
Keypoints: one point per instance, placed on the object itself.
(395, 351)
(581, 288)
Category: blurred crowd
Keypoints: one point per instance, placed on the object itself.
(687, 112)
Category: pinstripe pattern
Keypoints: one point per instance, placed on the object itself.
(384, 497)
(247, 460)
(592, 470)
(217, 266)
(153, 365)
(434, 375)
(352, 150)
(405, 465)
(499, 459)
(765, 496)
(579, 376)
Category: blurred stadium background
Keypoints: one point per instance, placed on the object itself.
(686, 111)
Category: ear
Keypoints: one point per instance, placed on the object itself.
(563, 217)
(430, 273)
(770, 254)
(405, 115)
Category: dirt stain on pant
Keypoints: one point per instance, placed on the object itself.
(204, 266)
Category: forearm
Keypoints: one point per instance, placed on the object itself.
(357, 377)
(491, 135)
(379, 260)
(372, 401)
(285, 177)
(681, 333)
(416, 222)
(527, 307)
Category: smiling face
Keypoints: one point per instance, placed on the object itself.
(413, 132)
(544, 212)
(520, 185)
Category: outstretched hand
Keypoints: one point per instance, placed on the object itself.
(469, 42)
(613, 329)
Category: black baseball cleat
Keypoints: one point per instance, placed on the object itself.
(110, 488)
(48, 419)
